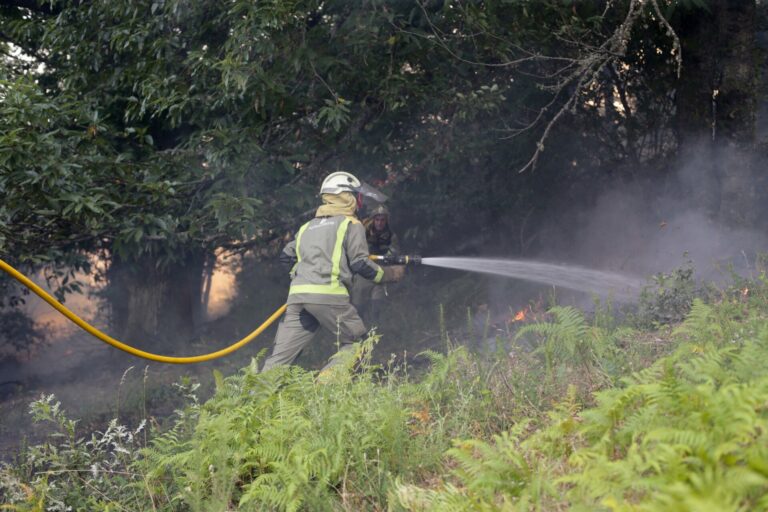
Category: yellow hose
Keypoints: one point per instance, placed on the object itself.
(127, 348)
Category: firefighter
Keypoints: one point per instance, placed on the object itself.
(368, 296)
(326, 253)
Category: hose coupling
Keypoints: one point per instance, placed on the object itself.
(390, 259)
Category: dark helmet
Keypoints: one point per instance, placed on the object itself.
(380, 210)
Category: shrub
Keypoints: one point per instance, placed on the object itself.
(668, 298)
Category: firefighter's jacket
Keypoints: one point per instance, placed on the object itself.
(380, 243)
(327, 252)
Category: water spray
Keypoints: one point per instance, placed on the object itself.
(619, 286)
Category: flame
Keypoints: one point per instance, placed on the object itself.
(520, 316)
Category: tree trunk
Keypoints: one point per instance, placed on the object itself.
(153, 308)
(716, 108)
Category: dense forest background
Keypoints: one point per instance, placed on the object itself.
(139, 139)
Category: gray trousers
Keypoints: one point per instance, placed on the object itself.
(300, 323)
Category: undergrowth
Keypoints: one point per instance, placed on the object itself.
(568, 413)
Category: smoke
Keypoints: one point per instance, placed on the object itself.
(95, 382)
(660, 221)
(643, 228)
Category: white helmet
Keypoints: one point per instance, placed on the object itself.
(338, 182)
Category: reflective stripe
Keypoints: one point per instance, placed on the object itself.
(334, 288)
(298, 240)
(336, 257)
(325, 289)
(379, 275)
(298, 254)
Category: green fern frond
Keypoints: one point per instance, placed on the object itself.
(701, 325)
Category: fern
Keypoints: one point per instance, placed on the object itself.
(700, 325)
(571, 341)
(490, 468)
(281, 440)
(689, 432)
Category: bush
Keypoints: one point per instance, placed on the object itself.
(75, 473)
(668, 298)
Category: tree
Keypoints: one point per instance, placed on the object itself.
(155, 132)
(717, 102)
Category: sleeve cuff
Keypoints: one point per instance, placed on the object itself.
(379, 275)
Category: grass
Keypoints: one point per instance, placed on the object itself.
(568, 412)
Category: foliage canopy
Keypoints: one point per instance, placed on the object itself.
(162, 127)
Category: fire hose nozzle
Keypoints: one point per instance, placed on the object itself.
(396, 260)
